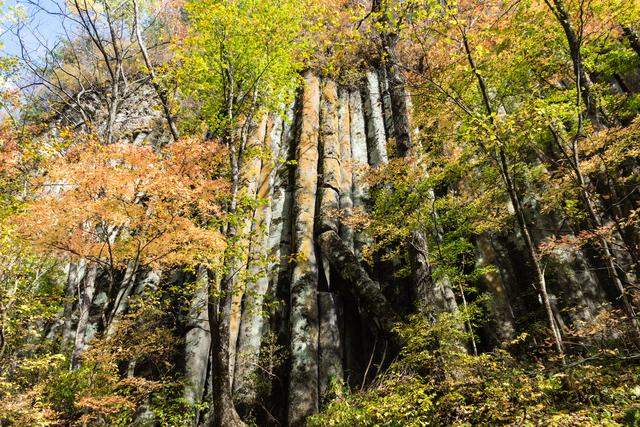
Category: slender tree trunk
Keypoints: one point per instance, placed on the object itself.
(225, 414)
(427, 293)
(585, 95)
(160, 91)
(224, 410)
(583, 83)
(224, 312)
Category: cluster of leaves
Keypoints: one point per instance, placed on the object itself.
(41, 390)
(239, 57)
(107, 204)
(436, 382)
(114, 203)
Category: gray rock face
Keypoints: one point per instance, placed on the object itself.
(303, 384)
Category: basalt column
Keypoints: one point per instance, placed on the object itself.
(197, 340)
(376, 138)
(251, 327)
(494, 279)
(303, 381)
(250, 179)
(358, 162)
(330, 360)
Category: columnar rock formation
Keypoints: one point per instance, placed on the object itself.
(302, 289)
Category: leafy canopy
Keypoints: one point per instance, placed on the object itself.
(110, 204)
(240, 54)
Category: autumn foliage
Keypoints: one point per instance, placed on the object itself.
(111, 204)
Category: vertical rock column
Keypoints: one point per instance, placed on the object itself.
(346, 168)
(197, 341)
(330, 361)
(280, 264)
(504, 318)
(250, 180)
(86, 297)
(387, 109)
(303, 385)
(280, 231)
(329, 141)
(376, 138)
(358, 162)
(75, 274)
(252, 320)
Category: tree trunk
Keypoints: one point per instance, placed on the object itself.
(303, 385)
(585, 90)
(225, 414)
(502, 163)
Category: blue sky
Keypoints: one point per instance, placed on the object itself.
(39, 24)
